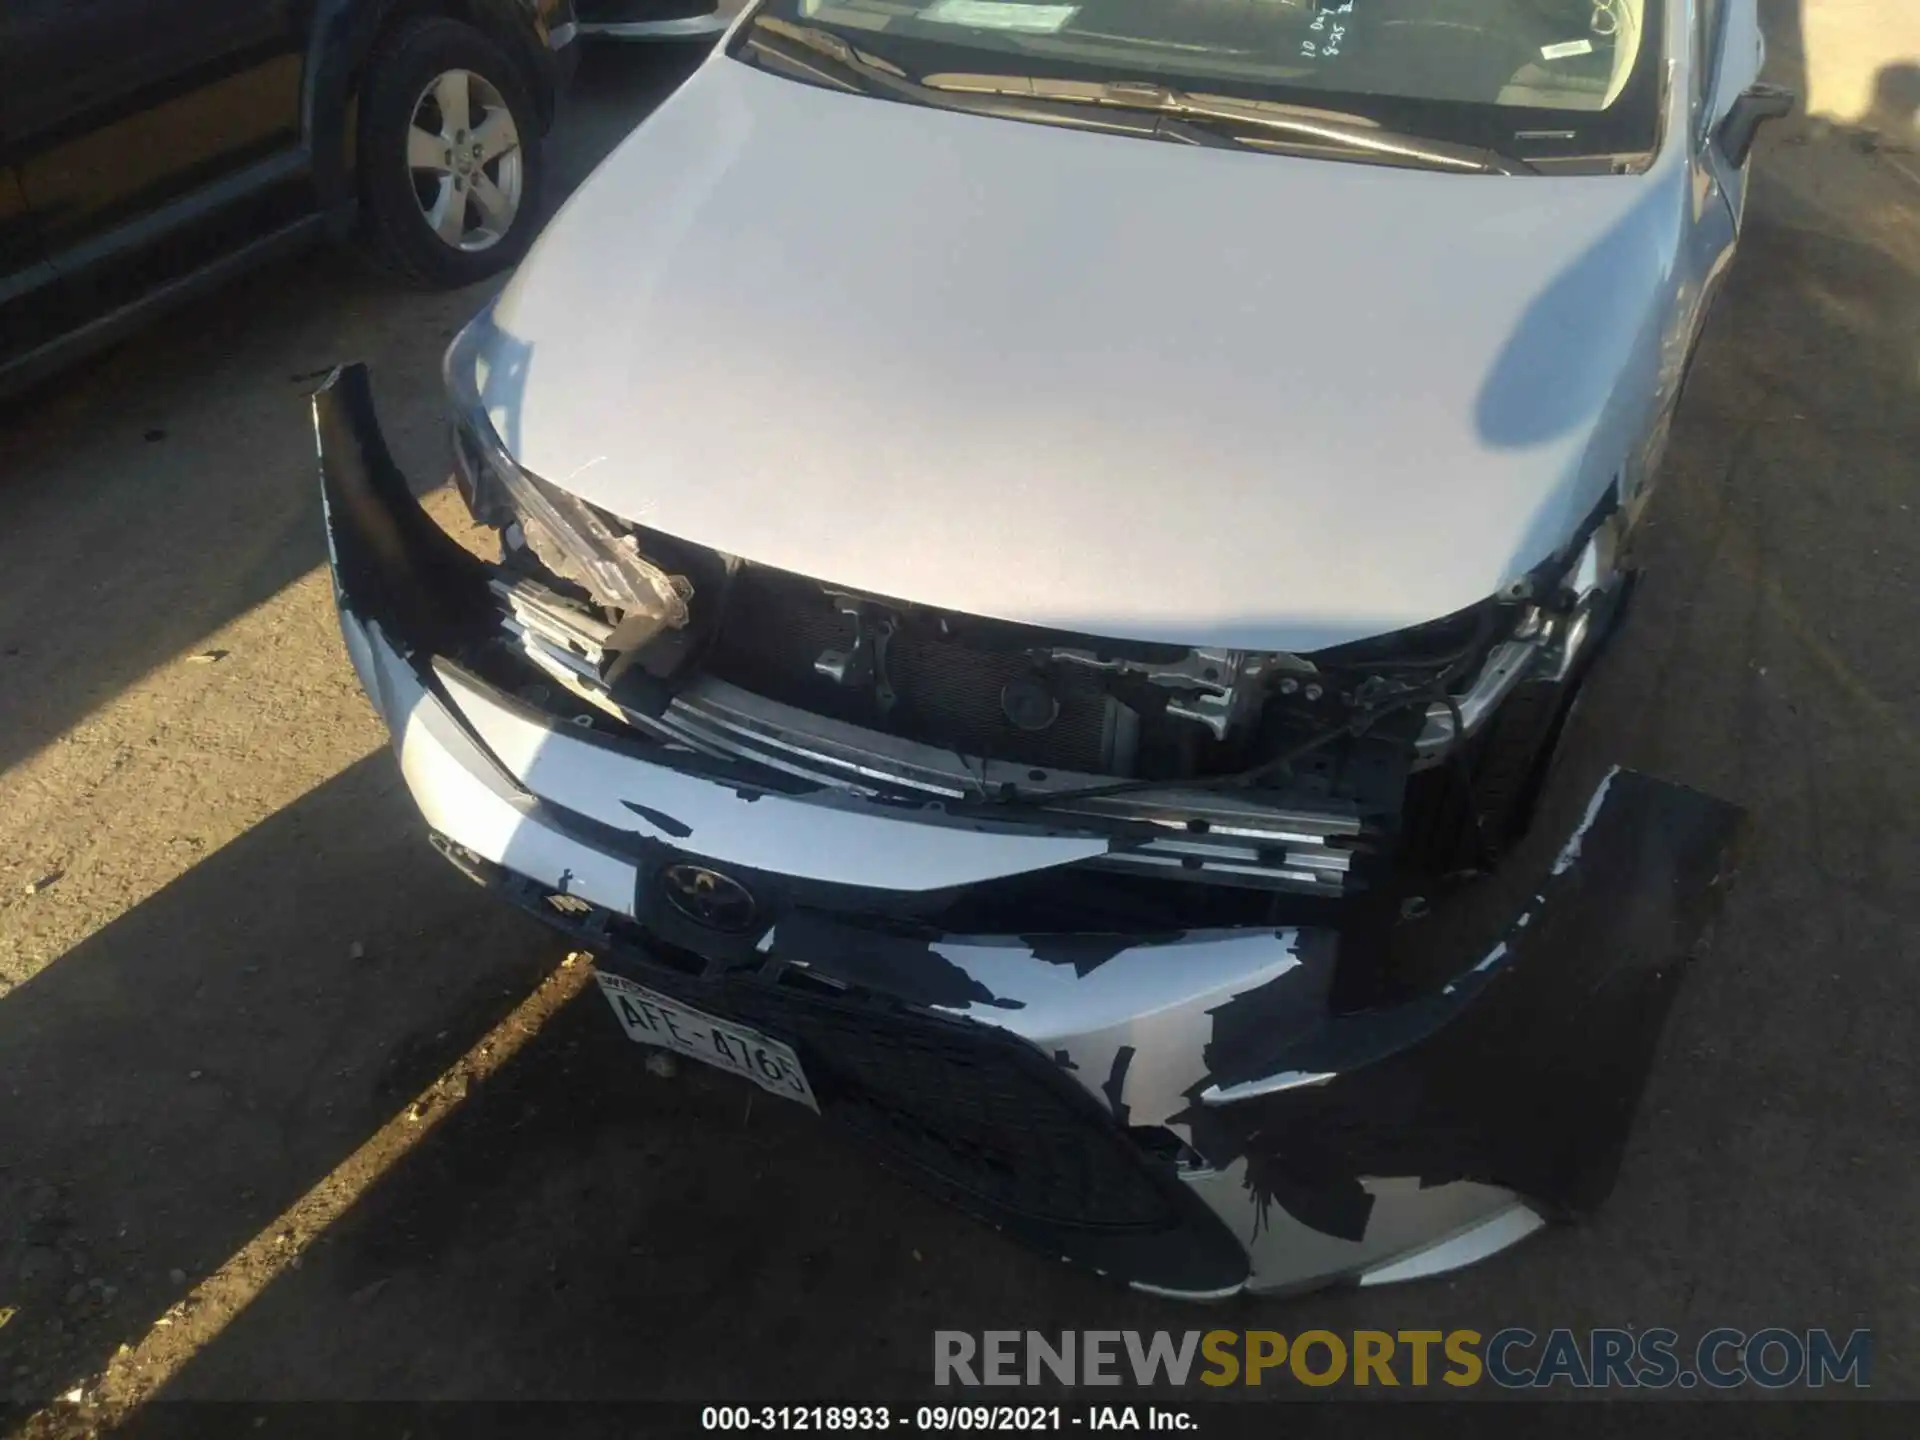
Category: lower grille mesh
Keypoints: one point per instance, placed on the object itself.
(988, 1118)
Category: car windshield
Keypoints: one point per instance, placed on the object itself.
(1552, 78)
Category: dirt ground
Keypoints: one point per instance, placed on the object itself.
(288, 1109)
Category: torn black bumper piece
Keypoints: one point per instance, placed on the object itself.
(1525, 1069)
(1188, 1110)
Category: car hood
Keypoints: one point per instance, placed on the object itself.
(1110, 385)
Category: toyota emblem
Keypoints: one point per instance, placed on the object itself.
(708, 898)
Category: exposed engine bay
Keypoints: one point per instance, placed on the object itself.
(1424, 746)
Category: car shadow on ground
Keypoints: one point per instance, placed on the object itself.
(578, 1228)
(174, 1081)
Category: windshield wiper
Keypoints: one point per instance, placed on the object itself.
(822, 57)
(1353, 132)
(807, 45)
(1177, 115)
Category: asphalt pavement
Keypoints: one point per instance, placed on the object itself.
(290, 1110)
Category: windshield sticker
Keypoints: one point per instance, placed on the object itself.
(1000, 15)
(1566, 49)
(868, 17)
(1329, 29)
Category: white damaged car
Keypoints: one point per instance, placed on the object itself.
(1041, 546)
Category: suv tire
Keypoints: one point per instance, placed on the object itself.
(449, 156)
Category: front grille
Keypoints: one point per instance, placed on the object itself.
(778, 624)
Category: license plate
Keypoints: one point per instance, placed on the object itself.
(655, 1019)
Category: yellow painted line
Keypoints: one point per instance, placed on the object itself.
(139, 1370)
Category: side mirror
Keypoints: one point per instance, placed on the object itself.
(1751, 108)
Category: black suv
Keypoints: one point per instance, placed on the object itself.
(151, 148)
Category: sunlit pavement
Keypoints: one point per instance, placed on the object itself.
(231, 971)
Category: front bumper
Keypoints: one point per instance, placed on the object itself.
(1195, 1111)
